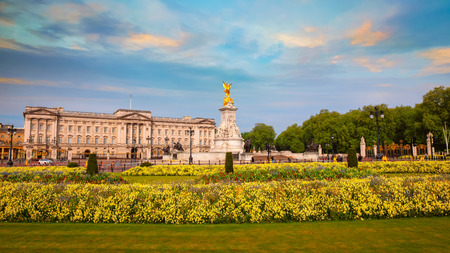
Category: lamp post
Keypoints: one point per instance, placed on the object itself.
(376, 114)
(191, 133)
(332, 146)
(11, 132)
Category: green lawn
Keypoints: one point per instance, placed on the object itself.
(398, 235)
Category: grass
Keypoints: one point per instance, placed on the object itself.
(398, 235)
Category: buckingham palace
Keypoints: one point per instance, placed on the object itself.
(59, 134)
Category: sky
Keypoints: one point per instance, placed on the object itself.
(286, 60)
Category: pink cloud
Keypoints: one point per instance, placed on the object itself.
(312, 38)
(9, 44)
(72, 13)
(374, 65)
(365, 37)
(140, 41)
(440, 61)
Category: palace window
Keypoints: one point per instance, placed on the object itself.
(48, 127)
(88, 129)
(105, 140)
(88, 140)
(159, 141)
(79, 140)
(69, 140)
(41, 127)
(179, 132)
(126, 141)
(186, 132)
(60, 140)
(47, 140)
(96, 140)
(159, 131)
(113, 129)
(173, 132)
(105, 129)
(199, 133)
(32, 139)
(96, 129)
(60, 128)
(140, 131)
(79, 128)
(40, 139)
(185, 142)
(33, 126)
(70, 128)
(113, 141)
(140, 141)
(166, 131)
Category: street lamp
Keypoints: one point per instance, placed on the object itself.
(376, 114)
(11, 132)
(332, 146)
(191, 133)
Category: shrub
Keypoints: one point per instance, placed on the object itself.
(92, 167)
(228, 163)
(145, 164)
(352, 159)
(72, 165)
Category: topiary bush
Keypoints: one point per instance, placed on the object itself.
(92, 167)
(145, 164)
(228, 163)
(352, 159)
(72, 165)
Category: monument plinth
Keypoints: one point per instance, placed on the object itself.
(228, 137)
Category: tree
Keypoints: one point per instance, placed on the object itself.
(92, 167)
(228, 162)
(352, 160)
(291, 139)
(262, 134)
(245, 135)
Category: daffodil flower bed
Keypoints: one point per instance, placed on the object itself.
(287, 173)
(276, 201)
(31, 169)
(61, 177)
(378, 167)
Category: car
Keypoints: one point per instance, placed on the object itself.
(45, 161)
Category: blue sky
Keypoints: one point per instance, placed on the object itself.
(286, 60)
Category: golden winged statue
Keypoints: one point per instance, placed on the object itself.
(227, 97)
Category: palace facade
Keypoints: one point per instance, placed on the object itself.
(5, 142)
(56, 133)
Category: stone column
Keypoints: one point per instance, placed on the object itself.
(320, 150)
(3, 150)
(362, 147)
(429, 137)
(414, 150)
(375, 148)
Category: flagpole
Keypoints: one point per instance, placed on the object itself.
(130, 99)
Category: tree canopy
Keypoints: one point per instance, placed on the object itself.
(399, 123)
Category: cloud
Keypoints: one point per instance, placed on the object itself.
(311, 37)
(19, 81)
(4, 21)
(374, 65)
(336, 59)
(365, 37)
(384, 85)
(440, 61)
(76, 47)
(73, 13)
(9, 44)
(140, 41)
